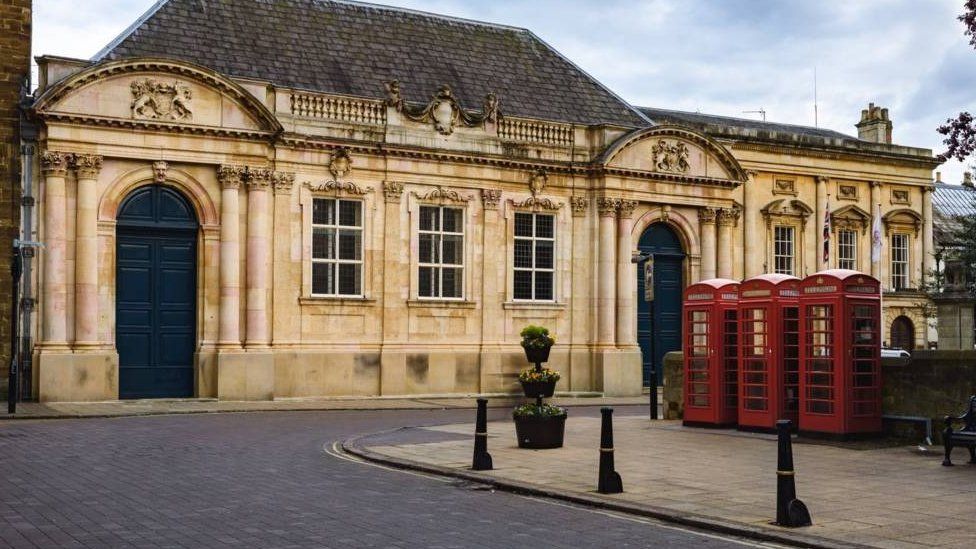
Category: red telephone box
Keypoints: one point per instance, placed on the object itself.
(769, 340)
(840, 364)
(711, 336)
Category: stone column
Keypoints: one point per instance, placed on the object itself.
(706, 217)
(875, 211)
(285, 311)
(726, 220)
(86, 167)
(606, 276)
(54, 165)
(626, 273)
(818, 222)
(230, 257)
(928, 236)
(258, 258)
(753, 245)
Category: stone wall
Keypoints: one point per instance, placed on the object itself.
(15, 40)
(933, 384)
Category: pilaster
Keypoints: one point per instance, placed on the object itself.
(606, 267)
(54, 333)
(626, 275)
(709, 261)
(258, 255)
(230, 178)
(87, 167)
(727, 218)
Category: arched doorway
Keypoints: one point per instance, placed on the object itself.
(659, 323)
(155, 293)
(903, 333)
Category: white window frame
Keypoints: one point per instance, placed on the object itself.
(904, 262)
(336, 261)
(791, 257)
(533, 269)
(851, 246)
(439, 266)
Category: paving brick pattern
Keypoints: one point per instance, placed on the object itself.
(884, 497)
(264, 480)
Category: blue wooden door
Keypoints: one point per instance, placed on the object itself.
(659, 323)
(155, 300)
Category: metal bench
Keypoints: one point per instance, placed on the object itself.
(963, 437)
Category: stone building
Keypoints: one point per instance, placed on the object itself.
(255, 200)
(955, 303)
(15, 42)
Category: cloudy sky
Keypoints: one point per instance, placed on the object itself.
(714, 56)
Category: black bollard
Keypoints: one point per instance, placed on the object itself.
(609, 482)
(482, 459)
(790, 511)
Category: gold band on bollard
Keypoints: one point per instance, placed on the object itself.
(786, 473)
(477, 434)
(606, 449)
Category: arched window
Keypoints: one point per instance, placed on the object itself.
(903, 333)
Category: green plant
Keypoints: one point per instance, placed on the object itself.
(544, 375)
(536, 410)
(535, 337)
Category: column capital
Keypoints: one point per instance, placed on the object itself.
(928, 189)
(258, 179)
(707, 215)
(392, 191)
(728, 216)
(607, 206)
(751, 174)
(86, 166)
(230, 176)
(625, 208)
(579, 205)
(282, 182)
(875, 184)
(490, 198)
(55, 163)
(822, 179)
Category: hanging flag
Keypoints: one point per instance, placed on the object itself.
(826, 233)
(876, 241)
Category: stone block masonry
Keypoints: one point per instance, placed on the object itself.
(15, 42)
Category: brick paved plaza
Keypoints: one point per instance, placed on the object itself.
(883, 497)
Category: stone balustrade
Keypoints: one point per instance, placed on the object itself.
(337, 107)
(534, 131)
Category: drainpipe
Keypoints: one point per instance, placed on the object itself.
(28, 141)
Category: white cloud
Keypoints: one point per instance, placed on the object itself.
(721, 57)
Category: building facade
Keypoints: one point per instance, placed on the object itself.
(383, 219)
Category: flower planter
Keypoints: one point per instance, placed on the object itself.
(536, 355)
(540, 432)
(535, 389)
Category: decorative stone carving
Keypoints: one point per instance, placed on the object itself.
(86, 166)
(847, 192)
(707, 215)
(579, 204)
(607, 206)
(535, 204)
(283, 181)
(258, 178)
(670, 157)
(626, 209)
(784, 186)
(665, 213)
(230, 176)
(159, 169)
(538, 182)
(786, 208)
(154, 100)
(340, 164)
(339, 187)
(392, 191)
(728, 216)
(441, 195)
(490, 198)
(900, 196)
(55, 163)
(443, 109)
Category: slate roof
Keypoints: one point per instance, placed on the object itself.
(948, 203)
(707, 121)
(345, 47)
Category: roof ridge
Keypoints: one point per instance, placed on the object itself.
(375, 6)
(747, 120)
(129, 30)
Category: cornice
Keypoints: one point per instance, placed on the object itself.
(835, 153)
(156, 126)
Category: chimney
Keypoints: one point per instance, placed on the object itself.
(874, 125)
(967, 180)
(938, 177)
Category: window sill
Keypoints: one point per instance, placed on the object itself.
(440, 304)
(337, 301)
(549, 305)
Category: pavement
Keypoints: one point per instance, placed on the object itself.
(120, 408)
(864, 494)
(275, 480)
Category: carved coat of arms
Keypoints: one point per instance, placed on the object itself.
(670, 157)
(155, 100)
